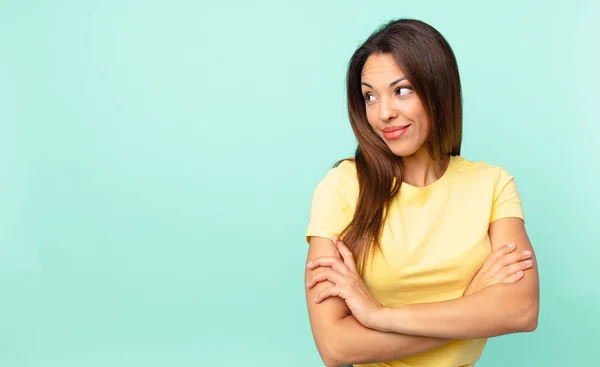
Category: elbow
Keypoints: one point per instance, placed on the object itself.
(332, 353)
(530, 324)
(328, 357)
(528, 320)
(331, 356)
(330, 362)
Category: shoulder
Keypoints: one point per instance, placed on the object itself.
(479, 171)
(488, 183)
(342, 180)
(342, 174)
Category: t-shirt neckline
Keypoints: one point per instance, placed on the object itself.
(444, 177)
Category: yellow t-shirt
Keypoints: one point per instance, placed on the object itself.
(434, 240)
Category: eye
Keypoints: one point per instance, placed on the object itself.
(404, 90)
(369, 97)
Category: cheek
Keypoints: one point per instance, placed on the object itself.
(420, 116)
(372, 117)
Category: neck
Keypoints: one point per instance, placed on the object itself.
(421, 170)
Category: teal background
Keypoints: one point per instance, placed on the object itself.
(158, 160)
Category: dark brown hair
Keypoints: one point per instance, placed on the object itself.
(430, 66)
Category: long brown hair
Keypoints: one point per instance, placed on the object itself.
(429, 64)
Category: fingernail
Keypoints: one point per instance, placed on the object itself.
(526, 252)
(309, 263)
(511, 245)
(334, 238)
(307, 283)
(528, 262)
(520, 272)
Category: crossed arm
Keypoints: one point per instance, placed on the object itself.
(404, 331)
(496, 310)
(340, 338)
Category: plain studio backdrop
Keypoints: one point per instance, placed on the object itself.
(158, 160)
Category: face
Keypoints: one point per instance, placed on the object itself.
(394, 111)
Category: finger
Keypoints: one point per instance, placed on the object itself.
(333, 262)
(346, 254)
(513, 269)
(328, 292)
(506, 249)
(507, 260)
(513, 278)
(514, 257)
(328, 274)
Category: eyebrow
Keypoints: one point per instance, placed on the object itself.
(391, 84)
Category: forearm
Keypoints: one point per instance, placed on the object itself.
(496, 310)
(350, 342)
(340, 338)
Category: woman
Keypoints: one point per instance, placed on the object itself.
(432, 256)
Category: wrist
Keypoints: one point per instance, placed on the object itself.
(380, 319)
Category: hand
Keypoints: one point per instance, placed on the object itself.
(502, 266)
(348, 285)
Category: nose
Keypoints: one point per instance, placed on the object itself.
(387, 112)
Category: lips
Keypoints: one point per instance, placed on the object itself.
(391, 129)
(394, 132)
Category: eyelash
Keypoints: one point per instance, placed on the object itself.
(366, 95)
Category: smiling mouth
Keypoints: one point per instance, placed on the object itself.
(391, 133)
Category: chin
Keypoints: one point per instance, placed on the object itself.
(401, 150)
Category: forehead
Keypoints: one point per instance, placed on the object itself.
(381, 67)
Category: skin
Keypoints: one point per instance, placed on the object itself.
(349, 325)
(390, 101)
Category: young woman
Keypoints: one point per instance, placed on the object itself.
(417, 255)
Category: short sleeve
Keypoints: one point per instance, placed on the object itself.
(507, 201)
(330, 211)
